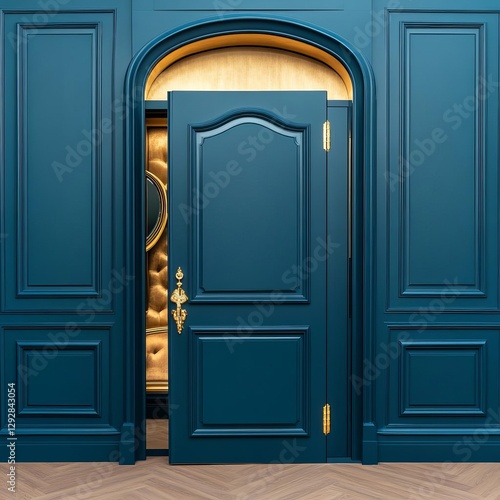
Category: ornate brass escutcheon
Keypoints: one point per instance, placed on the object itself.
(179, 297)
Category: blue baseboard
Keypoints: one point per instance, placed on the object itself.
(128, 444)
(370, 445)
(342, 461)
(27, 451)
(463, 449)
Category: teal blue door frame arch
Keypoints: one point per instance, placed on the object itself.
(364, 438)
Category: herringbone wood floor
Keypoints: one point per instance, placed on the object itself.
(154, 479)
(157, 434)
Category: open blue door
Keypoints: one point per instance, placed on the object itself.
(248, 236)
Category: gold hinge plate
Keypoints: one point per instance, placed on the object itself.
(326, 136)
(326, 419)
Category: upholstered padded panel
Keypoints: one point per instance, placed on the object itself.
(157, 262)
(156, 315)
(157, 285)
(156, 357)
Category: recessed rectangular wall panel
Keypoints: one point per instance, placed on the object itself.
(237, 389)
(60, 373)
(59, 382)
(442, 161)
(443, 219)
(440, 377)
(58, 191)
(58, 229)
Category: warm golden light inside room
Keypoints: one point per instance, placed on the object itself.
(249, 62)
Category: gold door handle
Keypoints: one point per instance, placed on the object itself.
(179, 297)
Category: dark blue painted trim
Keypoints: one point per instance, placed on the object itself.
(157, 105)
(339, 104)
(363, 187)
(127, 444)
(370, 444)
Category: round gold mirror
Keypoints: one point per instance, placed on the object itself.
(156, 209)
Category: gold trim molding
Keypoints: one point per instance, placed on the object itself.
(156, 385)
(161, 222)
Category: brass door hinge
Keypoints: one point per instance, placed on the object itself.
(326, 419)
(326, 136)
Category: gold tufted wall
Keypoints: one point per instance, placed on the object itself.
(157, 268)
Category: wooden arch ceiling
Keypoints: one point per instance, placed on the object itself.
(249, 62)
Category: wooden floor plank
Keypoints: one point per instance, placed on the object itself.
(156, 479)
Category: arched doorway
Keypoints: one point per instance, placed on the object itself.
(278, 36)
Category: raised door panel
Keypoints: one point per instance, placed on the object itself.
(263, 176)
(234, 395)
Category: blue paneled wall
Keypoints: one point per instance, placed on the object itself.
(63, 272)
(424, 357)
(436, 323)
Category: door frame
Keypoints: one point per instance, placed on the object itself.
(364, 437)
